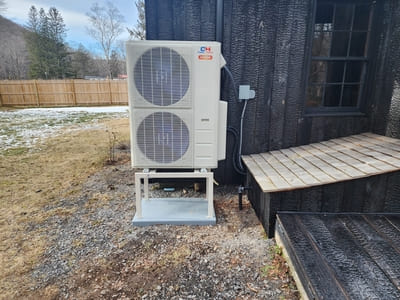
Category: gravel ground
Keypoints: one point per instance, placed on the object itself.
(95, 253)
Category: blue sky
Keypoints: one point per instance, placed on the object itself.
(74, 15)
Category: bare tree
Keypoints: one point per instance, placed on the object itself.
(81, 62)
(139, 31)
(106, 25)
(14, 61)
(121, 49)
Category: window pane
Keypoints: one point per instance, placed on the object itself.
(324, 27)
(332, 95)
(317, 72)
(361, 17)
(358, 40)
(353, 71)
(335, 72)
(340, 38)
(343, 17)
(340, 42)
(314, 95)
(324, 17)
(350, 95)
(321, 43)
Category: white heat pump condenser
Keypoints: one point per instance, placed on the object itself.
(176, 118)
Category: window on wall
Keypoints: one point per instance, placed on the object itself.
(339, 58)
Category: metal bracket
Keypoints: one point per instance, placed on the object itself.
(209, 176)
(241, 190)
(245, 93)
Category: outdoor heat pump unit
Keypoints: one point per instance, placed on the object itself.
(177, 120)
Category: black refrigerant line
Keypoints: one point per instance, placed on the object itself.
(238, 137)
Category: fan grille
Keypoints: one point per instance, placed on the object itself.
(161, 76)
(163, 137)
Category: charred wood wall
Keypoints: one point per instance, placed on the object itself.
(267, 44)
(393, 128)
(375, 194)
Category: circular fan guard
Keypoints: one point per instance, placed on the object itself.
(161, 76)
(163, 137)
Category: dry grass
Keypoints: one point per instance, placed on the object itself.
(30, 181)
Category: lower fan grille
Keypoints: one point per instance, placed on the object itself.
(163, 137)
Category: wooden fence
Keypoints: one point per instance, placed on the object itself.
(63, 92)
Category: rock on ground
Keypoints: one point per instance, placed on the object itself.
(95, 253)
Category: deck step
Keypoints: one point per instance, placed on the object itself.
(342, 256)
(332, 161)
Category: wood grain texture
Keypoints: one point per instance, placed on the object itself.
(356, 252)
(267, 44)
(308, 261)
(328, 162)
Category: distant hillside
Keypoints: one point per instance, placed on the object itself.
(13, 51)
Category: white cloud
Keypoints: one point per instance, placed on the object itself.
(74, 15)
(19, 9)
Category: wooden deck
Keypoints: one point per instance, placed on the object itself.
(323, 163)
(342, 256)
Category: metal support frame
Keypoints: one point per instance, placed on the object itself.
(146, 175)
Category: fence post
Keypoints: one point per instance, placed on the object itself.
(37, 93)
(1, 98)
(74, 92)
(109, 88)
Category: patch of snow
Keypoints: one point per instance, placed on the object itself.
(96, 109)
(25, 127)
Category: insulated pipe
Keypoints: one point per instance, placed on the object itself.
(219, 22)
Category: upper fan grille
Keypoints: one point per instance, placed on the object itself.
(163, 137)
(161, 76)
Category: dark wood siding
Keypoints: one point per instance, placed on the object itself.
(342, 256)
(267, 44)
(375, 194)
(393, 129)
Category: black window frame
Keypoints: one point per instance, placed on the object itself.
(366, 59)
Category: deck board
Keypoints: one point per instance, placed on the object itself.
(356, 251)
(326, 162)
(301, 173)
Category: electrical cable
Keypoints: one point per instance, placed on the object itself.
(234, 132)
(237, 150)
(230, 75)
(241, 134)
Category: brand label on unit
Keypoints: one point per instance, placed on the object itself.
(205, 57)
(205, 49)
(205, 53)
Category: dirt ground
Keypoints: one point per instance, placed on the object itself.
(90, 250)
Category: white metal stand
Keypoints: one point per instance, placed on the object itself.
(146, 175)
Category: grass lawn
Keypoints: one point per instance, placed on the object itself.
(30, 181)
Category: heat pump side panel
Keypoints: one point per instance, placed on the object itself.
(222, 121)
(206, 92)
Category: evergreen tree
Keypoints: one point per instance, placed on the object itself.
(139, 31)
(33, 19)
(60, 65)
(33, 43)
(46, 46)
